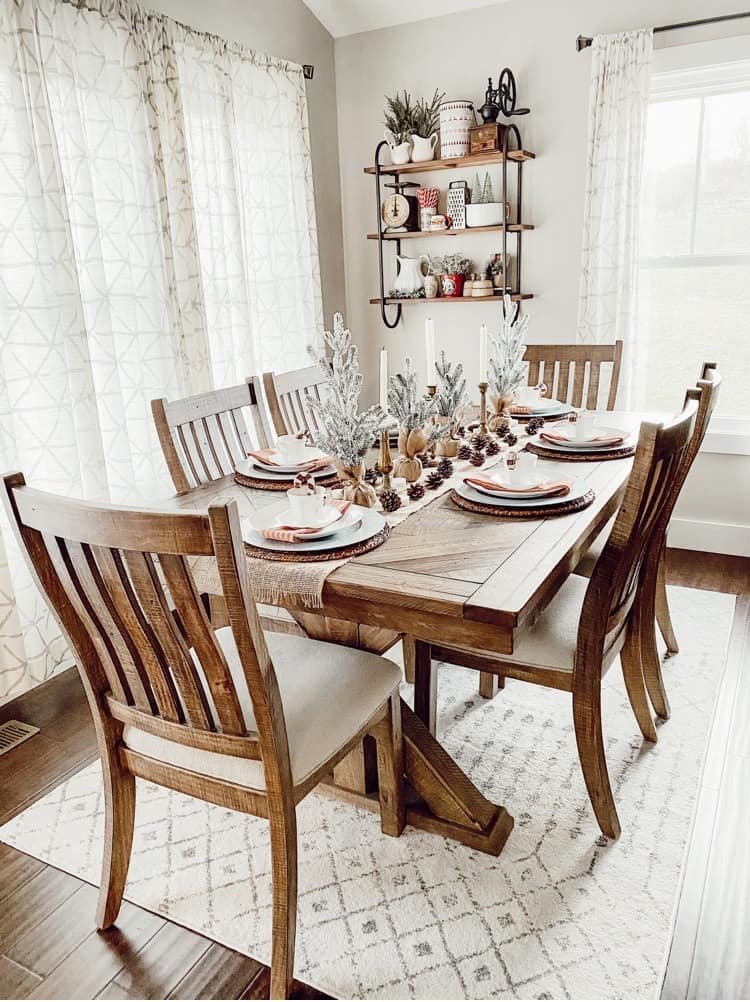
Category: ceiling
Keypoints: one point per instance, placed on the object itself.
(347, 17)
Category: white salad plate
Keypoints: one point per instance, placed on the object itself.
(586, 445)
(545, 408)
(578, 489)
(311, 454)
(505, 495)
(363, 525)
(265, 520)
(250, 468)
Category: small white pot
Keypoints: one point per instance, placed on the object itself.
(423, 149)
(484, 213)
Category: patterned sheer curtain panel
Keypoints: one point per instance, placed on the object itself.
(157, 238)
(618, 111)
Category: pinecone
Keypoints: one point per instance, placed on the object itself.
(534, 425)
(479, 441)
(511, 438)
(460, 431)
(372, 476)
(493, 447)
(390, 501)
(415, 491)
(476, 458)
(464, 451)
(434, 480)
(445, 468)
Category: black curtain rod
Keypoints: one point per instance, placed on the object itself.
(583, 41)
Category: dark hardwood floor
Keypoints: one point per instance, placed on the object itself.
(49, 951)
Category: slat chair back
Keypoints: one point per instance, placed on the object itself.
(707, 393)
(573, 372)
(203, 437)
(112, 577)
(288, 394)
(612, 589)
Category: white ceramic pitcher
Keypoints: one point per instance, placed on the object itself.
(411, 273)
(423, 149)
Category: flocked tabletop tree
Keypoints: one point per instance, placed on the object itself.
(345, 432)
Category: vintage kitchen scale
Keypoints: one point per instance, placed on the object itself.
(400, 211)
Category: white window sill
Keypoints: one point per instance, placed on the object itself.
(729, 436)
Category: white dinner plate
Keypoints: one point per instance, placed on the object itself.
(578, 489)
(274, 516)
(505, 495)
(249, 468)
(367, 523)
(311, 454)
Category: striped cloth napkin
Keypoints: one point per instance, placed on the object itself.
(295, 534)
(266, 456)
(549, 436)
(551, 488)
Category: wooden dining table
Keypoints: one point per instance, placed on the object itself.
(451, 577)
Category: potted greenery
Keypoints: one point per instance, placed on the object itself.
(424, 137)
(412, 411)
(450, 403)
(483, 210)
(399, 125)
(507, 369)
(455, 268)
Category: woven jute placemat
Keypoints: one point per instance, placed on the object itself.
(580, 457)
(342, 553)
(498, 511)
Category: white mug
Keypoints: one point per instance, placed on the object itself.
(525, 465)
(584, 425)
(528, 396)
(307, 507)
(290, 448)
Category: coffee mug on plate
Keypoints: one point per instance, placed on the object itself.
(306, 507)
(529, 395)
(290, 448)
(525, 465)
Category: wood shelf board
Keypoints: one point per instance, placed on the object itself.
(517, 296)
(455, 163)
(412, 234)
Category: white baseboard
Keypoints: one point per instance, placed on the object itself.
(710, 537)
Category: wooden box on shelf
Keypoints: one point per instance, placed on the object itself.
(486, 138)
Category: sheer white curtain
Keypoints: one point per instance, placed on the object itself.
(157, 238)
(618, 110)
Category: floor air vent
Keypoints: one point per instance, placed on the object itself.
(13, 732)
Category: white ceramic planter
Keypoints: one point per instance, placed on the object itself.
(484, 214)
(400, 152)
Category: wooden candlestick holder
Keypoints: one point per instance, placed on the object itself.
(483, 407)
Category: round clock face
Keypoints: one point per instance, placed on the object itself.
(394, 210)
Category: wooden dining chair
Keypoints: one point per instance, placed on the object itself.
(588, 623)
(707, 394)
(288, 393)
(573, 372)
(234, 717)
(204, 437)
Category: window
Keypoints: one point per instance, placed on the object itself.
(695, 233)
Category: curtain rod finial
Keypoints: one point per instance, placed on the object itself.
(583, 42)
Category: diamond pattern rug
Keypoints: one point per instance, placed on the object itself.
(560, 913)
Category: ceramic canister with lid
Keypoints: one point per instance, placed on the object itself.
(456, 118)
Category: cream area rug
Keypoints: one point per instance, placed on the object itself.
(560, 913)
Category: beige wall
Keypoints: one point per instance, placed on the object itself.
(456, 54)
(287, 28)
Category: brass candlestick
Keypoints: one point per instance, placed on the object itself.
(431, 391)
(483, 407)
(385, 462)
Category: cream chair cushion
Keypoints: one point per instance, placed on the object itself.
(587, 563)
(551, 641)
(328, 692)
